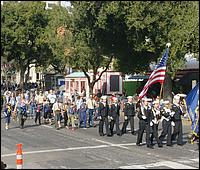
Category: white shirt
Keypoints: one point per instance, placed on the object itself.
(52, 98)
(90, 103)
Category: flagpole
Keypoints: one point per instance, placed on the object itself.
(161, 89)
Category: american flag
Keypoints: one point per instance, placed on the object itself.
(158, 75)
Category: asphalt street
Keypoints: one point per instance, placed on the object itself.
(44, 147)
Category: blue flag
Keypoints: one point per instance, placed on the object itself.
(192, 102)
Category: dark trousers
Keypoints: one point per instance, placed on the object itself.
(115, 122)
(131, 120)
(57, 118)
(83, 119)
(143, 125)
(21, 120)
(90, 120)
(101, 125)
(154, 133)
(167, 130)
(178, 131)
(38, 117)
(65, 118)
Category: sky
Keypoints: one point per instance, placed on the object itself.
(65, 3)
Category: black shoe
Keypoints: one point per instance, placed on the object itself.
(160, 145)
(179, 144)
(169, 145)
(119, 134)
(101, 134)
(138, 144)
(133, 133)
(150, 146)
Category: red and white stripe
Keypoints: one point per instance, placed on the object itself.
(156, 76)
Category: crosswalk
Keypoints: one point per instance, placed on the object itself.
(176, 164)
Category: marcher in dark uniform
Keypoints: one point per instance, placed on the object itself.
(176, 107)
(144, 115)
(155, 119)
(167, 115)
(103, 116)
(114, 116)
(129, 113)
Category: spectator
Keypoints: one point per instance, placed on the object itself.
(71, 112)
(90, 106)
(57, 108)
(7, 115)
(82, 113)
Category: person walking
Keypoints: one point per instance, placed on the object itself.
(57, 108)
(103, 116)
(20, 108)
(83, 116)
(114, 112)
(129, 113)
(144, 115)
(91, 106)
(71, 112)
(167, 115)
(39, 100)
(155, 119)
(7, 115)
(178, 129)
(33, 106)
(65, 112)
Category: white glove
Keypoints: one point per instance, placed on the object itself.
(172, 123)
(125, 117)
(172, 114)
(144, 117)
(151, 123)
(108, 117)
(111, 118)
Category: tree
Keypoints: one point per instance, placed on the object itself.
(22, 25)
(58, 36)
(146, 27)
(87, 52)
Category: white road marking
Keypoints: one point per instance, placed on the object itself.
(175, 165)
(48, 126)
(64, 167)
(195, 160)
(58, 150)
(170, 164)
(111, 144)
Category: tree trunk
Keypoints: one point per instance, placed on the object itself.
(167, 88)
(27, 75)
(22, 78)
(91, 86)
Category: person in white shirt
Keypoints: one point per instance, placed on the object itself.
(57, 108)
(52, 99)
(90, 106)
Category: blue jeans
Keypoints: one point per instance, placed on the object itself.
(83, 118)
(90, 120)
(32, 111)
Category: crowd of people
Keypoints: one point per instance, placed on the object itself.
(77, 111)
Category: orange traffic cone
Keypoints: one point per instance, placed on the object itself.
(19, 159)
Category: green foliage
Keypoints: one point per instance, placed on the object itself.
(58, 17)
(134, 22)
(22, 25)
